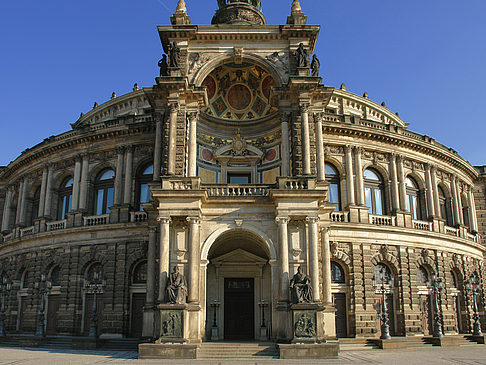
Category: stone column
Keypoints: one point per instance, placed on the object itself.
(459, 203)
(285, 145)
(349, 175)
(401, 185)
(455, 202)
(23, 205)
(164, 256)
(194, 259)
(283, 258)
(473, 221)
(19, 203)
(127, 197)
(7, 210)
(50, 182)
(193, 118)
(150, 297)
(305, 143)
(430, 194)
(76, 184)
(359, 175)
(158, 147)
(119, 176)
(321, 158)
(394, 183)
(314, 256)
(42, 199)
(83, 193)
(173, 108)
(435, 190)
(326, 267)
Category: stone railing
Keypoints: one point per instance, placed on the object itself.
(339, 217)
(422, 225)
(237, 190)
(27, 231)
(138, 217)
(183, 183)
(296, 183)
(56, 226)
(381, 220)
(451, 231)
(96, 220)
(8, 237)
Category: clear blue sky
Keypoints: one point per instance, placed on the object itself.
(426, 59)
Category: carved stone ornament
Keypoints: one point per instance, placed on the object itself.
(305, 324)
(384, 250)
(239, 145)
(424, 253)
(196, 61)
(334, 248)
(171, 324)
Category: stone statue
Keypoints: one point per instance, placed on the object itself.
(164, 66)
(302, 56)
(176, 287)
(221, 3)
(174, 53)
(315, 66)
(301, 288)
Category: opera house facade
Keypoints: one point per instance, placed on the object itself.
(186, 208)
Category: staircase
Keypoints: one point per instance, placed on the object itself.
(236, 351)
(356, 344)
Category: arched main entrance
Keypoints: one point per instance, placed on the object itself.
(238, 287)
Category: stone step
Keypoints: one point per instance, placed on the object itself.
(237, 351)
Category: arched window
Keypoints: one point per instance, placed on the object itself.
(465, 210)
(54, 276)
(143, 190)
(25, 281)
(414, 203)
(332, 177)
(90, 273)
(422, 276)
(104, 192)
(374, 192)
(382, 273)
(65, 198)
(140, 273)
(445, 207)
(35, 205)
(337, 273)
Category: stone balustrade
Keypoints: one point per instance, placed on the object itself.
(422, 225)
(339, 217)
(451, 231)
(237, 190)
(96, 220)
(382, 220)
(27, 231)
(56, 226)
(138, 217)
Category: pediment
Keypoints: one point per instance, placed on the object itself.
(239, 257)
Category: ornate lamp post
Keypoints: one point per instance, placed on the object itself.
(95, 287)
(473, 287)
(43, 286)
(385, 327)
(436, 285)
(5, 287)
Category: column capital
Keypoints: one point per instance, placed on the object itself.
(428, 166)
(304, 107)
(358, 150)
(285, 116)
(120, 150)
(318, 117)
(173, 106)
(152, 229)
(325, 230)
(129, 148)
(193, 116)
(164, 220)
(312, 219)
(282, 220)
(193, 220)
(348, 148)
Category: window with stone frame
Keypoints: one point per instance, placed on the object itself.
(65, 197)
(54, 276)
(445, 206)
(35, 206)
(465, 210)
(337, 273)
(143, 191)
(414, 198)
(140, 273)
(104, 192)
(422, 276)
(333, 178)
(382, 273)
(374, 192)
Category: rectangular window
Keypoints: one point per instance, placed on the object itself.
(239, 178)
(144, 194)
(368, 200)
(109, 199)
(414, 207)
(99, 201)
(334, 195)
(378, 202)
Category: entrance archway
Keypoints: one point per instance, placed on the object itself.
(238, 287)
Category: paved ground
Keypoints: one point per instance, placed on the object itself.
(467, 355)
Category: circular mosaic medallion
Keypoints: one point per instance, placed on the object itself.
(211, 85)
(207, 155)
(271, 154)
(239, 97)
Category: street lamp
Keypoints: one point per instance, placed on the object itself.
(385, 327)
(5, 287)
(436, 285)
(43, 285)
(474, 287)
(95, 287)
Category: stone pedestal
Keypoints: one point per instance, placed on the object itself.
(391, 344)
(329, 350)
(148, 322)
(443, 341)
(477, 339)
(307, 323)
(303, 71)
(172, 323)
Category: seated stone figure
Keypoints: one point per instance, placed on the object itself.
(301, 288)
(176, 287)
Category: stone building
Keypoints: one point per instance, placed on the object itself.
(237, 167)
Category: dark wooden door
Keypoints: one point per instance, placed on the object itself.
(23, 309)
(239, 310)
(54, 302)
(391, 313)
(88, 313)
(426, 309)
(341, 318)
(138, 302)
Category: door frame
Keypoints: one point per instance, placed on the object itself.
(254, 307)
(134, 289)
